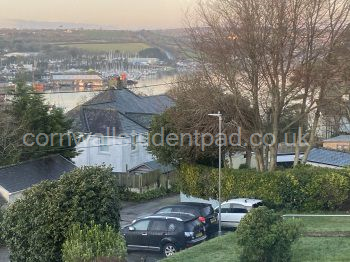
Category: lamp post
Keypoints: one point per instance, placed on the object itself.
(219, 115)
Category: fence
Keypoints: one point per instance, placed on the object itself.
(146, 181)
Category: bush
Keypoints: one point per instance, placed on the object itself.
(35, 226)
(93, 243)
(304, 188)
(265, 237)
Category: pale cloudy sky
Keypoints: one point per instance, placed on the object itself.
(128, 14)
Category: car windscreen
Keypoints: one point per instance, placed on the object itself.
(206, 211)
(188, 210)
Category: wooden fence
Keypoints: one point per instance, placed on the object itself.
(146, 181)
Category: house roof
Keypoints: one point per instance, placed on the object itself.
(153, 166)
(329, 157)
(342, 138)
(24, 175)
(120, 110)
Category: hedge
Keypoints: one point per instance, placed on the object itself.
(34, 226)
(85, 243)
(303, 188)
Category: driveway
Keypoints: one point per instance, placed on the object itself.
(4, 254)
(131, 211)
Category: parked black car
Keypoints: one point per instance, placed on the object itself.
(204, 212)
(167, 233)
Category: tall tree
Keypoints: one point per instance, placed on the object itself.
(254, 48)
(9, 138)
(196, 98)
(36, 117)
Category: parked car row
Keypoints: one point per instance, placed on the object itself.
(176, 227)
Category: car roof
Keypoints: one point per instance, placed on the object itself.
(243, 201)
(187, 204)
(182, 217)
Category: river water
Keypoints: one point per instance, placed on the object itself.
(70, 100)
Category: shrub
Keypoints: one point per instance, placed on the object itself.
(304, 188)
(265, 237)
(93, 243)
(35, 226)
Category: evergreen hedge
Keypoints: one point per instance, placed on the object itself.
(303, 188)
(35, 226)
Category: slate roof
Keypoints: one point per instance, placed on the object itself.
(329, 157)
(24, 175)
(155, 165)
(120, 110)
(342, 138)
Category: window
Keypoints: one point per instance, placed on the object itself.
(141, 225)
(171, 227)
(238, 209)
(164, 210)
(103, 145)
(224, 208)
(158, 225)
(207, 211)
(133, 142)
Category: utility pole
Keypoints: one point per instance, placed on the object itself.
(219, 115)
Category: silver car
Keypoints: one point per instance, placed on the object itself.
(232, 211)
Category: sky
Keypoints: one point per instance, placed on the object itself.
(120, 14)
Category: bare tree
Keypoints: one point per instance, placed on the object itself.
(256, 48)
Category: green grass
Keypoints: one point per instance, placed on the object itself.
(320, 249)
(218, 249)
(122, 47)
(325, 224)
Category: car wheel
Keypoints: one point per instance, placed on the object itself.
(169, 249)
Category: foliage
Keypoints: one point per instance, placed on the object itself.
(35, 226)
(303, 188)
(265, 237)
(154, 52)
(35, 117)
(162, 124)
(9, 139)
(90, 243)
(195, 130)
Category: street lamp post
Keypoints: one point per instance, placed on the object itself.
(219, 115)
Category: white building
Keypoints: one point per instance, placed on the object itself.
(117, 123)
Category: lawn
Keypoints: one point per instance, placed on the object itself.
(320, 249)
(122, 47)
(325, 224)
